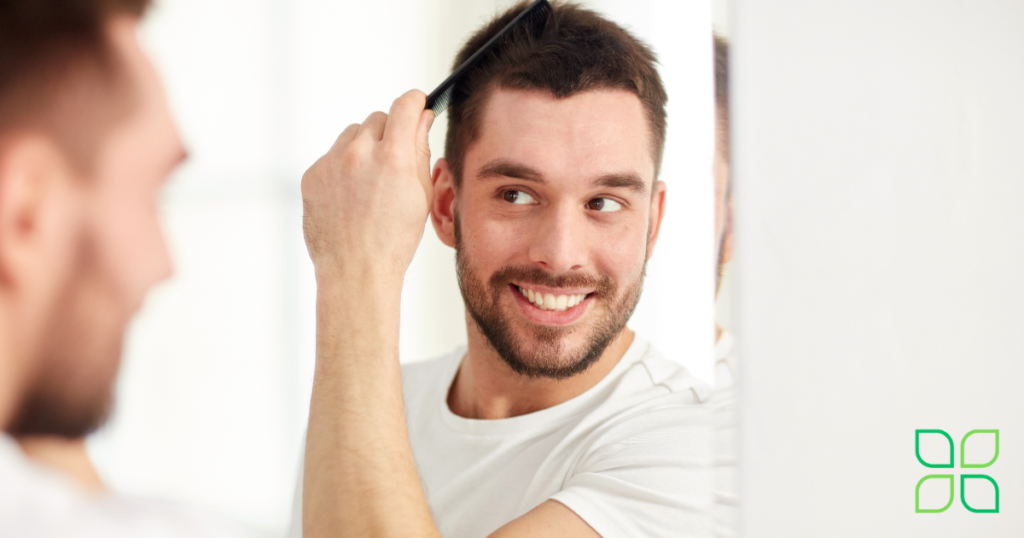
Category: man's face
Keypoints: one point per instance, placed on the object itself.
(723, 199)
(117, 253)
(554, 222)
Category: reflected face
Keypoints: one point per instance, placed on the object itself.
(118, 254)
(723, 198)
(555, 220)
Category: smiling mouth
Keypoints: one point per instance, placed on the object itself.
(550, 301)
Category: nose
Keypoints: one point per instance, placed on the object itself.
(560, 240)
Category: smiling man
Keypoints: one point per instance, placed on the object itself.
(556, 419)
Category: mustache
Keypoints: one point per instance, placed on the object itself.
(602, 284)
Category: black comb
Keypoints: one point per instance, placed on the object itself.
(532, 18)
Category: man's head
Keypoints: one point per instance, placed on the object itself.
(86, 141)
(549, 189)
(723, 184)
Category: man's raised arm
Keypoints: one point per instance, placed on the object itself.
(365, 205)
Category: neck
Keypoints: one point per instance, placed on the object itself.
(485, 387)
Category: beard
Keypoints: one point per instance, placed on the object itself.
(71, 392)
(544, 351)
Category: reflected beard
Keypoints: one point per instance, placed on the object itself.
(543, 354)
(71, 394)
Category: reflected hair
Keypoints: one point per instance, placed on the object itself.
(58, 72)
(721, 46)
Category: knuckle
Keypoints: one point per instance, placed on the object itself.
(412, 97)
(353, 156)
(346, 133)
(308, 178)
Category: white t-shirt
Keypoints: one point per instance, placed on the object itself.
(38, 503)
(726, 510)
(632, 456)
(725, 360)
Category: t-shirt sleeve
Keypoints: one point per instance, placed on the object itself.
(650, 474)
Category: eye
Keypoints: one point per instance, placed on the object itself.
(517, 197)
(604, 204)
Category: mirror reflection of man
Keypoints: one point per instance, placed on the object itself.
(556, 419)
(725, 367)
(86, 142)
(726, 509)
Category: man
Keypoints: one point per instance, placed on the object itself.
(86, 142)
(726, 510)
(725, 366)
(556, 420)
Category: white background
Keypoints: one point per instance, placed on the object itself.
(879, 181)
(213, 395)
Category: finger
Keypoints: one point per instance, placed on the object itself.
(373, 126)
(404, 117)
(347, 135)
(426, 120)
(423, 150)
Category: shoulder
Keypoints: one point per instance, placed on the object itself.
(655, 403)
(651, 382)
(35, 501)
(658, 371)
(642, 462)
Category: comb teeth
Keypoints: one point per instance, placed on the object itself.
(442, 101)
(533, 18)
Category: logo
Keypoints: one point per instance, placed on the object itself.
(981, 486)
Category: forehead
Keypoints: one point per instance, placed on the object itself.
(589, 134)
(148, 139)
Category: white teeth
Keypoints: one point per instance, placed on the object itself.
(549, 301)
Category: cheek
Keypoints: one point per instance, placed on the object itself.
(621, 254)
(493, 242)
(131, 247)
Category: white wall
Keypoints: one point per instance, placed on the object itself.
(218, 368)
(879, 190)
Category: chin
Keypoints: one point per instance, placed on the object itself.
(73, 393)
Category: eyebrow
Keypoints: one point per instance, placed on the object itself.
(631, 181)
(508, 169)
(500, 169)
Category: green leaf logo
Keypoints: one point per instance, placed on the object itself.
(917, 494)
(976, 479)
(917, 449)
(963, 489)
(963, 450)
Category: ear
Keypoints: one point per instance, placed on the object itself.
(657, 214)
(34, 209)
(442, 213)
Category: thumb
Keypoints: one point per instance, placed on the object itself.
(423, 133)
(423, 151)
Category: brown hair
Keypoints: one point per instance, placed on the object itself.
(578, 50)
(722, 94)
(58, 73)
